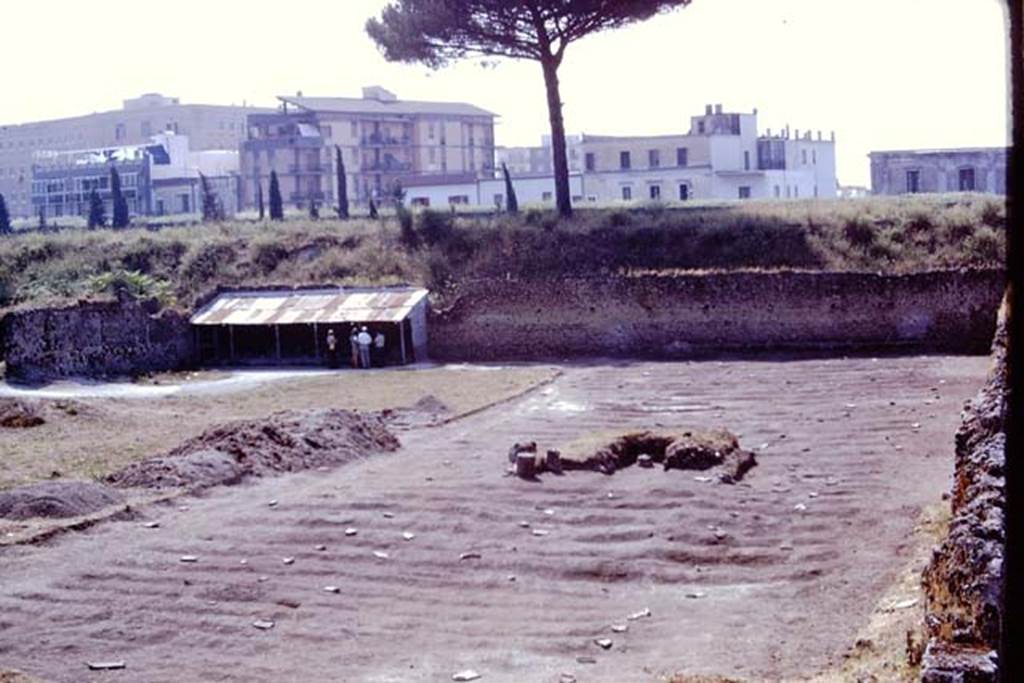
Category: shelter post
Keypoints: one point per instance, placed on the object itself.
(277, 341)
(401, 337)
(316, 341)
(231, 341)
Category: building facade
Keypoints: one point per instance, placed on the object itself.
(384, 142)
(157, 178)
(722, 156)
(208, 127)
(973, 169)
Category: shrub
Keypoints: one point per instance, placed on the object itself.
(984, 247)
(133, 283)
(958, 225)
(858, 231)
(436, 227)
(206, 261)
(266, 255)
(993, 213)
(919, 220)
(406, 233)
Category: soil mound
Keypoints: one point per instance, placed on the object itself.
(288, 441)
(56, 499)
(426, 411)
(15, 413)
(688, 450)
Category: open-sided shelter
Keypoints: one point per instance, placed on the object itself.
(290, 326)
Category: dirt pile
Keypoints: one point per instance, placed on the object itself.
(288, 441)
(428, 410)
(688, 450)
(56, 499)
(15, 413)
(963, 582)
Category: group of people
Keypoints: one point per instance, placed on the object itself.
(367, 350)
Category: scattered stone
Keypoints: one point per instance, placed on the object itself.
(721, 535)
(467, 675)
(320, 547)
(603, 643)
(512, 577)
(642, 614)
(812, 494)
(351, 532)
(645, 460)
(380, 555)
(332, 589)
(272, 504)
(702, 479)
(549, 511)
(389, 515)
(470, 556)
(189, 558)
(105, 666)
(408, 535)
(566, 678)
(904, 604)
(288, 560)
(263, 624)
(584, 659)
(786, 546)
(263, 579)
(524, 524)
(620, 628)
(540, 532)
(243, 561)
(289, 603)
(800, 507)
(695, 595)
(152, 525)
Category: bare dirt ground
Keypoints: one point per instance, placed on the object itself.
(91, 436)
(769, 579)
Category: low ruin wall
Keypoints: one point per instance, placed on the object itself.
(681, 315)
(964, 579)
(94, 339)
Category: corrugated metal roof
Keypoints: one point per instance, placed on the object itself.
(292, 307)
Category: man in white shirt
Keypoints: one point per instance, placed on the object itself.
(364, 340)
(378, 349)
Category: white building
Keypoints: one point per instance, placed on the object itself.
(442, 192)
(722, 156)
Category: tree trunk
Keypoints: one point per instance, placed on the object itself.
(559, 158)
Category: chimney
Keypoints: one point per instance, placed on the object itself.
(768, 132)
(755, 111)
(298, 93)
(707, 110)
(833, 136)
(819, 135)
(718, 109)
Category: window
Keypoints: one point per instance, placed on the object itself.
(420, 201)
(624, 162)
(430, 131)
(355, 129)
(545, 196)
(913, 181)
(814, 156)
(458, 199)
(796, 191)
(655, 191)
(778, 192)
(744, 192)
(627, 192)
(815, 190)
(746, 160)
(326, 131)
(146, 128)
(966, 178)
(684, 192)
(653, 158)
(590, 161)
(499, 201)
(681, 156)
(183, 203)
(700, 127)
(432, 154)
(803, 156)
(788, 192)
(119, 132)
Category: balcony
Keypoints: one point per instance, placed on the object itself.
(381, 140)
(387, 166)
(300, 169)
(306, 196)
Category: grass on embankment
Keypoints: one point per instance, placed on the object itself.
(879, 234)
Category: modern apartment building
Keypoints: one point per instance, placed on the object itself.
(972, 169)
(209, 127)
(157, 178)
(722, 156)
(383, 141)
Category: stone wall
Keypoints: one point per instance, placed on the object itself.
(94, 339)
(681, 315)
(963, 582)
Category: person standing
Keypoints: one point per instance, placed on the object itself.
(354, 343)
(364, 339)
(378, 346)
(332, 350)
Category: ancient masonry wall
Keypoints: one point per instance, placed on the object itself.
(94, 339)
(680, 315)
(964, 579)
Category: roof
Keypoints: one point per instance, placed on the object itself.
(358, 105)
(304, 306)
(951, 150)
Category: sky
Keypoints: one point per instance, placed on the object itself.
(882, 74)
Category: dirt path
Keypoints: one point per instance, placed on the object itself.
(778, 591)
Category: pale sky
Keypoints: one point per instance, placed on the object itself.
(883, 74)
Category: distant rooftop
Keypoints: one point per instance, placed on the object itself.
(377, 100)
(950, 150)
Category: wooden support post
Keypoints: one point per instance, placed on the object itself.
(231, 342)
(277, 341)
(316, 341)
(401, 336)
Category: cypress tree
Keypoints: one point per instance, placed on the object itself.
(276, 205)
(314, 209)
(42, 219)
(259, 199)
(339, 168)
(373, 209)
(97, 212)
(511, 202)
(5, 218)
(120, 217)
